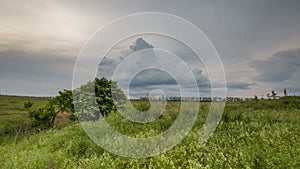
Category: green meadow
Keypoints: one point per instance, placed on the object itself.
(251, 134)
(13, 113)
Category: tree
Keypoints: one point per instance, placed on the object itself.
(42, 116)
(63, 103)
(108, 96)
(268, 96)
(98, 98)
(274, 94)
(284, 92)
(255, 98)
(45, 115)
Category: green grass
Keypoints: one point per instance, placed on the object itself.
(12, 112)
(263, 134)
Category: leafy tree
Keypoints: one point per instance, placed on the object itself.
(274, 94)
(284, 92)
(85, 103)
(63, 103)
(103, 91)
(42, 116)
(255, 98)
(98, 98)
(45, 115)
(268, 96)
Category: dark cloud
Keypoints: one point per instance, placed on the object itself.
(108, 65)
(240, 30)
(142, 56)
(239, 85)
(14, 63)
(34, 73)
(140, 44)
(152, 77)
(278, 68)
(282, 70)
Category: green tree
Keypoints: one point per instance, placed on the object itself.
(98, 98)
(274, 94)
(268, 96)
(45, 115)
(42, 116)
(284, 92)
(255, 98)
(63, 103)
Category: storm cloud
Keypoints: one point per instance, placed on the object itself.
(164, 72)
(282, 69)
(30, 73)
(258, 41)
(278, 68)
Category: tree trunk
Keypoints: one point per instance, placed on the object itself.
(53, 119)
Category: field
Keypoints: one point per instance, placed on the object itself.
(251, 134)
(12, 112)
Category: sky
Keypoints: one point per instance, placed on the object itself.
(258, 41)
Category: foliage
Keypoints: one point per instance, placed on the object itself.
(45, 115)
(141, 105)
(42, 116)
(274, 94)
(255, 98)
(284, 92)
(263, 134)
(64, 103)
(103, 93)
(28, 105)
(13, 115)
(98, 98)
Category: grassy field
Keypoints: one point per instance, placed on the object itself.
(12, 112)
(251, 134)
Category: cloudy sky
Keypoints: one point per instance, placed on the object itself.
(258, 41)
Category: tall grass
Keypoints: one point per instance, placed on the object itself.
(263, 134)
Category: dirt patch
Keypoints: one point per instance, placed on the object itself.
(62, 118)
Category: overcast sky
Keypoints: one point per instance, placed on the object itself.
(258, 41)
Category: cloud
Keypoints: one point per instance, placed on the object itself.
(239, 85)
(282, 69)
(108, 65)
(278, 68)
(56, 30)
(30, 73)
(141, 54)
(140, 44)
(152, 77)
(147, 68)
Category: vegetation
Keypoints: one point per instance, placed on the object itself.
(251, 134)
(13, 115)
(45, 115)
(100, 97)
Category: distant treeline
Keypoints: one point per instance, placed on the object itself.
(11, 95)
(200, 99)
